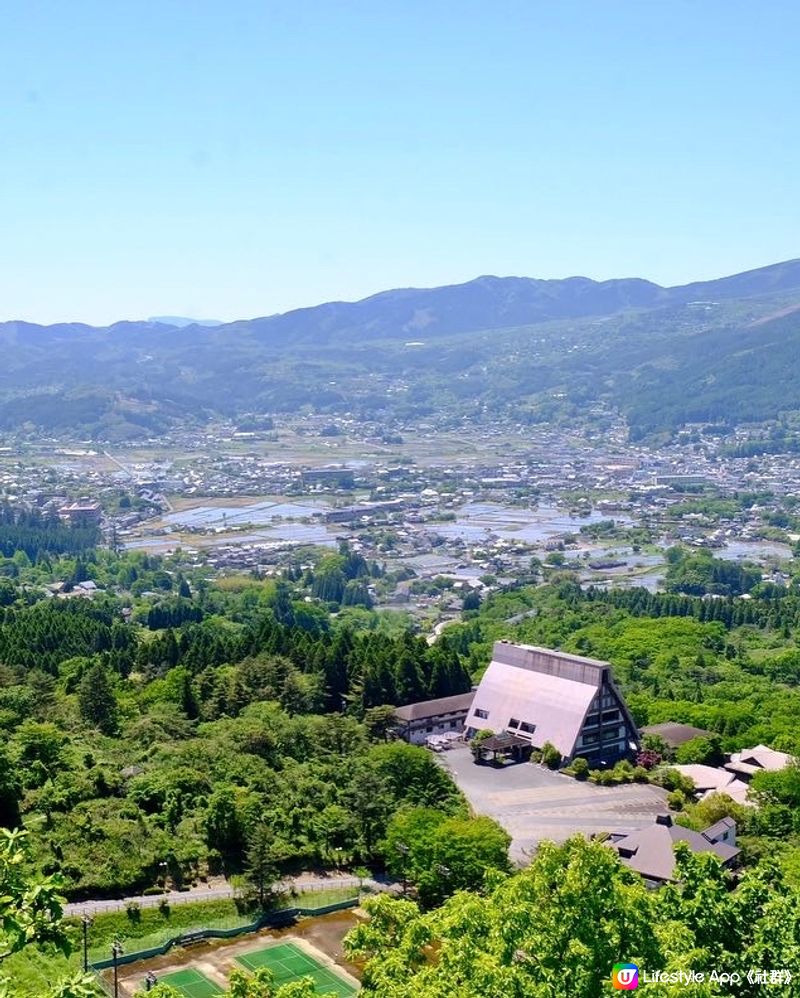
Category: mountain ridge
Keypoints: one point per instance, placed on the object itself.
(513, 301)
(494, 347)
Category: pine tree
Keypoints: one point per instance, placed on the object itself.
(260, 867)
(96, 700)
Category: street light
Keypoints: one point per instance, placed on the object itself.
(86, 921)
(116, 953)
(403, 849)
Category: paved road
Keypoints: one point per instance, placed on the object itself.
(533, 804)
(219, 890)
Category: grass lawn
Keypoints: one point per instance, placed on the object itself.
(320, 898)
(34, 970)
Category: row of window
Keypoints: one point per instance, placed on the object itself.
(609, 735)
(594, 719)
(525, 726)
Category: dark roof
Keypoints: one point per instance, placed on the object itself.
(675, 734)
(649, 850)
(505, 740)
(718, 829)
(432, 708)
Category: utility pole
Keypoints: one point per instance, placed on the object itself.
(116, 953)
(86, 921)
(402, 848)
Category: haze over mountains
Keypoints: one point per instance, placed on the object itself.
(727, 349)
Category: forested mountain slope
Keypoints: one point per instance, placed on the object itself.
(492, 345)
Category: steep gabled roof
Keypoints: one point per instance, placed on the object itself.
(549, 689)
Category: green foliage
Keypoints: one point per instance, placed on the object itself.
(30, 910)
(441, 854)
(551, 757)
(699, 573)
(702, 750)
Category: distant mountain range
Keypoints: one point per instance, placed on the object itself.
(181, 320)
(722, 350)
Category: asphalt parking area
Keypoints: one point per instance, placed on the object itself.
(532, 803)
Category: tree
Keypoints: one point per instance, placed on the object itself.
(408, 679)
(574, 911)
(223, 823)
(556, 929)
(379, 721)
(260, 868)
(31, 912)
(442, 854)
(261, 984)
(96, 700)
(10, 791)
(706, 751)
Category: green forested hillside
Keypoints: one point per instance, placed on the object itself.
(493, 347)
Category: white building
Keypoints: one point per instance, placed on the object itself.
(550, 696)
(417, 722)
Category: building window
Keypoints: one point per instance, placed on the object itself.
(513, 722)
(591, 721)
(610, 715)
(483, 714)
(528, 727)
(611, 735)
(593, 737)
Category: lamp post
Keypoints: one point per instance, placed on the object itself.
(402, 848)
(86, 921)
(116, 953)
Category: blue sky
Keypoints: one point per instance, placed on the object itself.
(233, 159)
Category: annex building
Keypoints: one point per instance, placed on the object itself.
(417, 722)
(542, 696)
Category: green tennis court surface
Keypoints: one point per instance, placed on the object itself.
(289, 963)
(191, 983)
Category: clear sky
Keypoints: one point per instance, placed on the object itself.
(234, 158)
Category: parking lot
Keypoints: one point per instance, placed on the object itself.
(532, 803)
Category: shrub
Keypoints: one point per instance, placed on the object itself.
(163, 907)
(676, 800)
(551, 757)
(640, 775)
(671, 779)
(580, 767)
(648, 759)
(134, 911)
(623, 772)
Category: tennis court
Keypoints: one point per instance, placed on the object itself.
(289, 963)
(191, 983)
